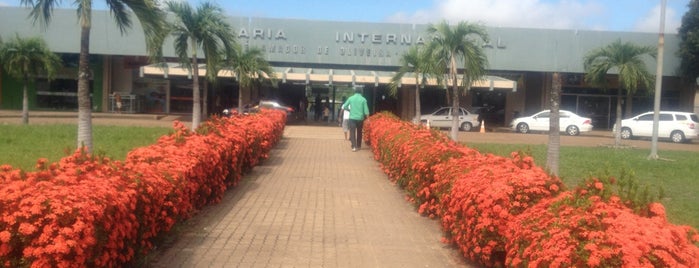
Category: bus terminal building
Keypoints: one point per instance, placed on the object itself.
(326, 60)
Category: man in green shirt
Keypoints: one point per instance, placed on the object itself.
(358, 111)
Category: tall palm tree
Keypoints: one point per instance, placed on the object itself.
(419, 63)
(146, 11)
(626, 59)
(250, 67)
(450, 45)
(26, 59)
(204, 28)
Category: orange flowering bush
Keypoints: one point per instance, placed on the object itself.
(485, 196)
(491, 207)
(90, 211)
(589, 227)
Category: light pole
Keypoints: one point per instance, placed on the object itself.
(658, 83)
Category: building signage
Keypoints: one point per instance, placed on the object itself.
(343, 44)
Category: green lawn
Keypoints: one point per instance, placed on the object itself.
(21, 146)
(678, 176)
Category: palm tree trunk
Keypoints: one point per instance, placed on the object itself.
(84, 102)
(617, 121)
(554, 142)
(25, 102)
(205, 101)
(455, 101)
(416, 119)
(196, 94)
(629, 104)
(240, 98)
(418, 108)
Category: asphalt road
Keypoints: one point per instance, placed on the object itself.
(589, 139)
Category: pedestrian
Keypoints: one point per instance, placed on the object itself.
(117, 100)
(345, 121)
(358, 111)
(317, 108)
(326, 113)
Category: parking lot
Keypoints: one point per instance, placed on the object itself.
(594, 138)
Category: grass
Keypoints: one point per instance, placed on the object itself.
(677, 176)
(21, 146)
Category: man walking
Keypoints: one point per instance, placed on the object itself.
(358, 111)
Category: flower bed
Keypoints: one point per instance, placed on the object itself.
(507, 211)
(88, 210)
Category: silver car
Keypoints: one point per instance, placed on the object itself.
(442, 118)
(677, 126)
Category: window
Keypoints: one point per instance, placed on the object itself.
(646, 117)
(666, 117)
(443, 111)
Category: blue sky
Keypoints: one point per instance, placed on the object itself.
(608, 15)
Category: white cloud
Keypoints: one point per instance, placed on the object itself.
(557, 14)
(651, 21)
(565, 14)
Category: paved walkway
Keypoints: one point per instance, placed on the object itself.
(314, 203)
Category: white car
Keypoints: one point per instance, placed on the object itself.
(570, 123)
(678, 126)
(442, 119)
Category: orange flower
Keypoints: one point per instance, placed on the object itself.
(26, 228)
(5, 237)
(599, 186)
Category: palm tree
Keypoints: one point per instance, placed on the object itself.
(250, 67)
(626, 59)
(204, 28)
(419, 63)
(146, 11)
(26, 59)
(452, 44)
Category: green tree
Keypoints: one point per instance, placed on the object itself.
(250, 68)
(689, 42)
(450, 45)
(625, 59)
(26, 59)
(418, 62)
(204, 28)
(146, 11)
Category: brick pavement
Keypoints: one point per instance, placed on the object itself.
(314, 203)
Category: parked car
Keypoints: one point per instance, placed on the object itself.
(570, 123)
(677, 126)
(442, 118)
(269, 104)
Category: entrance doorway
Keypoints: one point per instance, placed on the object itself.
(489, 105)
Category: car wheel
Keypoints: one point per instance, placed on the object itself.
(626, 133)
(677, 136)
(573, 130)
(522, 128)
(466, 126)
